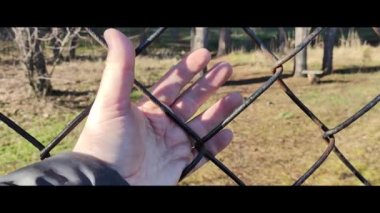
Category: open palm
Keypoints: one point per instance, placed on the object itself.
(139, 140)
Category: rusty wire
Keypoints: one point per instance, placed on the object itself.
(277, 71)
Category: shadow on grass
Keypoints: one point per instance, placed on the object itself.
(351, 70)
(358, 69)
(73, 99)
(71, 93)
(333, 81)
(252, 80)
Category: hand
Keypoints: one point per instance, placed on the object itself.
(139, 140)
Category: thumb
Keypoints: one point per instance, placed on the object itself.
(118, 75)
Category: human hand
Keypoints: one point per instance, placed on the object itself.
(138, 140)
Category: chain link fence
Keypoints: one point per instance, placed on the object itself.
(199, 144)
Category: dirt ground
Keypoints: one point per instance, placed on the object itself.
(274, 142)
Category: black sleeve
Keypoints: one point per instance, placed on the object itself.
(65, 169)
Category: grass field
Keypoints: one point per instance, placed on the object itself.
(274, 141)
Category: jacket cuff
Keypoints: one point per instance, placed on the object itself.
(70, 168)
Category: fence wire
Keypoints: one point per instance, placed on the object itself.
(199, 144)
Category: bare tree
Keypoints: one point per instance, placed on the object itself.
(59, 34)
(329, 41)
(62, 37)
(377, 30)
(199, 38)
(224, 45)
(175, 33)
(192, 35)
(143, 37)
(300, 60)
(29, 41)
(6, 34)
(29, 44)
(73, 46)
(282, 39)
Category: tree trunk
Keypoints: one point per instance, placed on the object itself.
(224, 45)
(199, 38)
(282, 39)
(300, 60)
(43, 85)
(329, 41)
